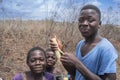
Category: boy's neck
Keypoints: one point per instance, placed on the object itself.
(50, 69)
(93, 39)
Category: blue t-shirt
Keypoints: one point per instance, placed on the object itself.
(100, 60)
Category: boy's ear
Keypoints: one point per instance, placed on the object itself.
(27, 63)
(99, 24)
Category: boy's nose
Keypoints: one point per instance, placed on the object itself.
(49, 58)
(85, 22)
(37, 62)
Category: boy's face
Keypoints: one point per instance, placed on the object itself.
(88, 22)
(37, 61)
(51, 58)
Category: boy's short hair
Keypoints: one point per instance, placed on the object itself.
(33, 49)
(49, 49)
(90, 6)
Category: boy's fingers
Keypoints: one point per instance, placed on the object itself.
(53, 45)
(51, 40)
(54, 48)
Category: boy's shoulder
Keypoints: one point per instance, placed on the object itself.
(105, 43)
(18, 76)
(49, 76)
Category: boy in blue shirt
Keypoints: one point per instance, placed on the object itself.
(95, 57)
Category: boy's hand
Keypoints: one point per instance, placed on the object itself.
(56, 44)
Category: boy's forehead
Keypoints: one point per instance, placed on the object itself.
(37, 52)
(49, 52)
(88, 11)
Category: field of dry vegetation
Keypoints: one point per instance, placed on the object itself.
(17, 37)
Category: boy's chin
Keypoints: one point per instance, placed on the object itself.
(50, 64)
(38, 72)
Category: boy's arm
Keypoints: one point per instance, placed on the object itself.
(91, 76)
(86, 72)
(70, 69)
(108, 76)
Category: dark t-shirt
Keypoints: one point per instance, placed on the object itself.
(48, 76)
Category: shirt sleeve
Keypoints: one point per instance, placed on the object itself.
(108, 61)
(49, 76)
(18, 77)
(52, 78)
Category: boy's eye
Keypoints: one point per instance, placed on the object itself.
(53, 57)
(81, 20)
(42, 59)
(47, 56)
(90, 20)
(32, 60)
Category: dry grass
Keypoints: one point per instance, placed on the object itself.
(17, 37)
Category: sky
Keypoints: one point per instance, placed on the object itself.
(59, 10)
